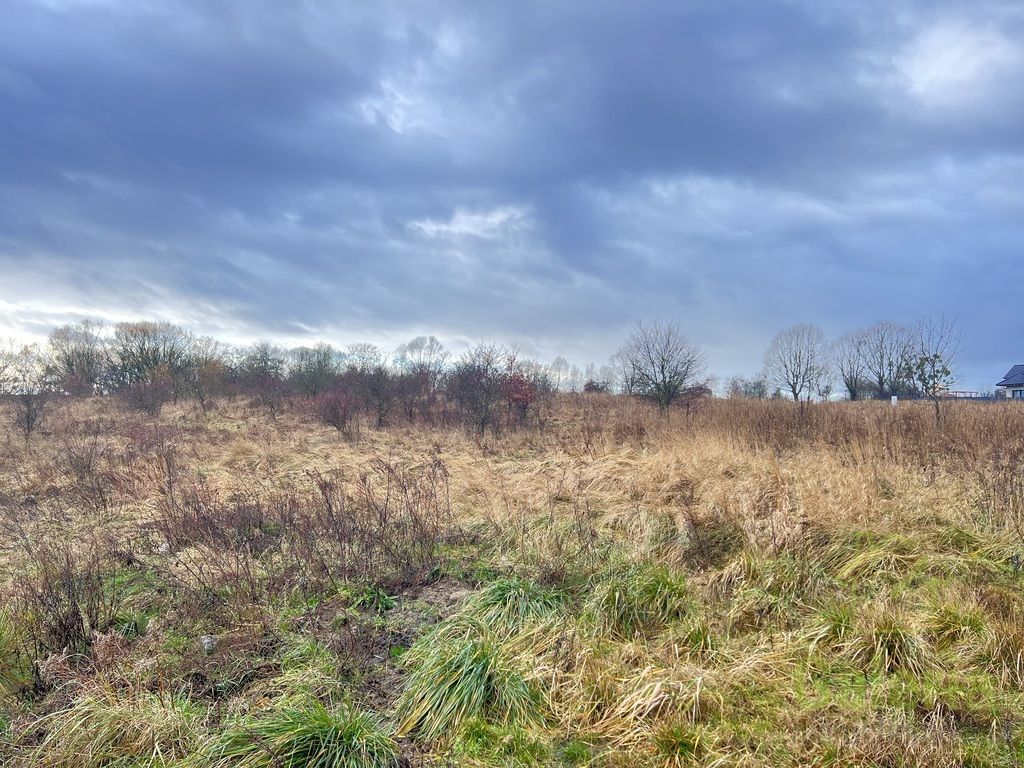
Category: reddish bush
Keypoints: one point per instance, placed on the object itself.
(520, 393)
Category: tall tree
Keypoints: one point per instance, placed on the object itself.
(848, 354)
(797, 360)
(261, 371)
(145, 352)
(936, 344)
(314, 368)
(78, 355)
(424, 357)
(888, 351)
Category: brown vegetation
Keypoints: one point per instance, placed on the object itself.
(740, 582)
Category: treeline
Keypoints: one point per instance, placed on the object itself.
(150, 364)
(884, 360)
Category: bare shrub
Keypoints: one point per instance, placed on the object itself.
(335, 408)
(85, 461)
(476, 385)
(149, 397)
(383, 529)
(31, 388)
(65, 594)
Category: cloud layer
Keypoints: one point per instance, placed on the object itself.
(548, 172)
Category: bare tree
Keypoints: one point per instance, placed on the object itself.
(660, 362)
(207, 369)
(148, 354)
(888, 351)
(559, 370)
(7, 355)
(848, 354)
(797, 360)
(936, 344)
(476, 384)
(78, 354)
(314, 368)
(31, 388)
(740, 388)
(261, 372)
(363, 356)
(422, 354)
(419, 366)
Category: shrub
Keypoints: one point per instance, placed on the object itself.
(335, 409)
(151, 395)
(385, 532)
(65, 595)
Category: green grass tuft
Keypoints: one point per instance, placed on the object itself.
(510, 604)
(637, 599)
(310, 736)
(12, 674)
(887, 641)
(463, 670)
(679, 744)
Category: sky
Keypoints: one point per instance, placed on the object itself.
(542, 172)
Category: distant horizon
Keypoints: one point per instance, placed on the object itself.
(547, 174)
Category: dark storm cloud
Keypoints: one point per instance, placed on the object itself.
(546, 171)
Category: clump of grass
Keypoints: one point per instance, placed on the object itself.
(656, 693)
(308, 670)
(694, 638)
(950, 623)
(501, 745)
(832, 626)
(464, 670)
(636, 599)
(1002, 651)
(886, 640)
(306, 736)
(892, 739)
(679, 744)
(576, 752)
(866, 556)
(510, 604)
(104, 727)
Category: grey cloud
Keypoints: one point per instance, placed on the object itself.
(298, 168)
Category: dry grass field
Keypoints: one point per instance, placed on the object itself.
(737, 585)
